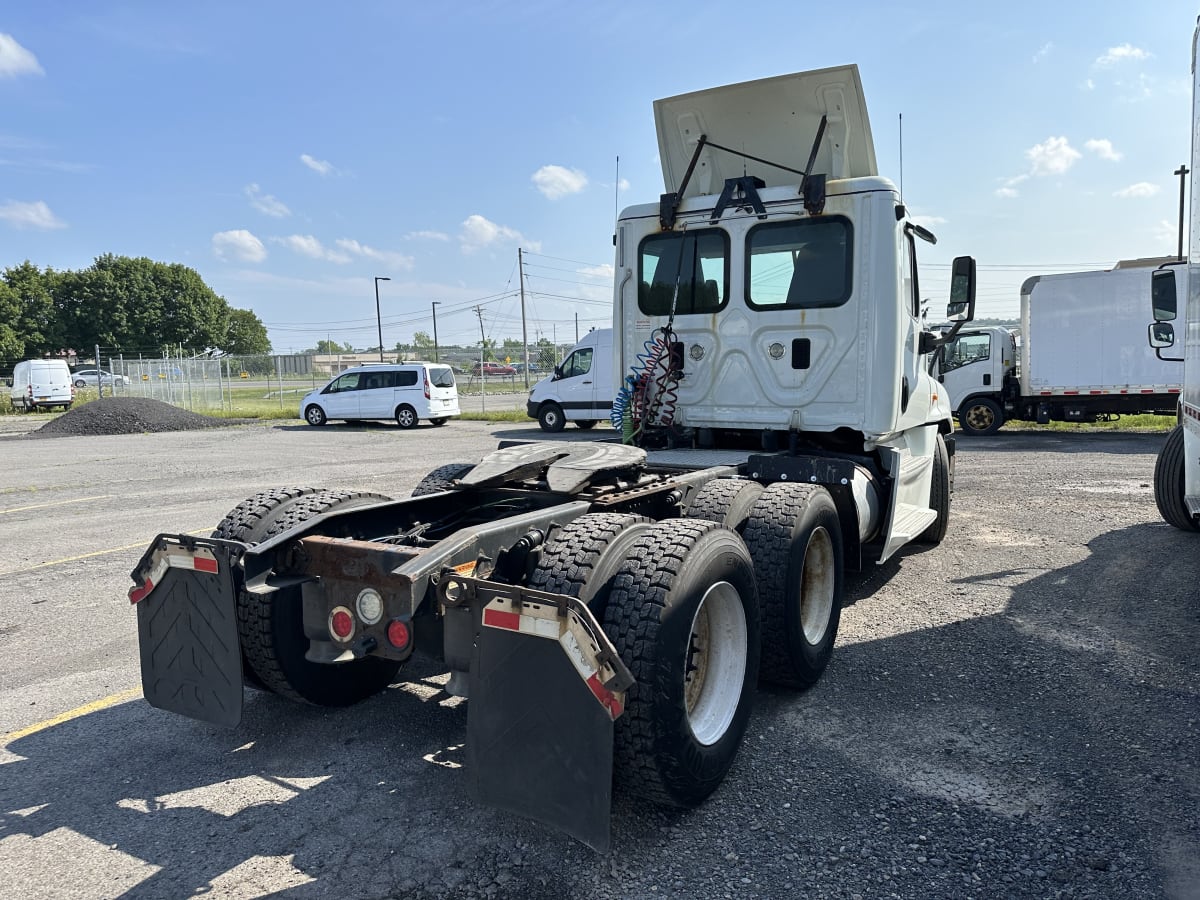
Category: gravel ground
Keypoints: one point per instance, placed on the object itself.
(127, 415)
(1014, 713)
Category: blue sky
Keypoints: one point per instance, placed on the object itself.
(291, 152)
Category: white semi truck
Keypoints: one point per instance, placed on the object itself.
(1177, 472)
(1080, 355)
(609, 607)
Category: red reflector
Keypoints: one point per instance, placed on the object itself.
(341, 623)
(203, 564)
(426, 385)
(498, 618)
(398, 634)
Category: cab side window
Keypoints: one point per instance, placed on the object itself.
(966, 349)
(578, 363)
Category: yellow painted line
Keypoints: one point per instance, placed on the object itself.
(94, 706)
(55, 503)
(67, 559)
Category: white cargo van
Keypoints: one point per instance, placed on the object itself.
(408, 393)
(581, 389)
(41, 383)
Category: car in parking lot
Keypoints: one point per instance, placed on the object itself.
(92, 377)
(407, 392)
(492, 368)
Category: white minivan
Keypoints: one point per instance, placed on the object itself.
(406, 392)
(581, 389)
(41, 383)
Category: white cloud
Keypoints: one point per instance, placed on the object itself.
(1124, 52)
(1043, 51)
(320, 166)
(623, 184)
(1103, 148)
(604, 270)
(1052, 157)
(239, 245)
(265, 203)
(427, 236)
(30, 215)
(1006, 192)
(556, 181)
(15, 60)
(1089, 85)
(478, 232)
(927, 221)
(307, 245)
(386, 257)
(1167, 232)
(1140, 189)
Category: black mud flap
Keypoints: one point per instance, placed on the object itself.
(538, 742)
(187, 629)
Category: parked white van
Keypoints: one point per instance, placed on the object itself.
(407, 392)
(41, 384)
(582, 388)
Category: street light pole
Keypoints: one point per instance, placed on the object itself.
(378, 317)
(435, 305)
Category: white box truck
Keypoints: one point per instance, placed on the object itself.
(1177, 471)
(609, 607)
(1080, 355)
(581, 388)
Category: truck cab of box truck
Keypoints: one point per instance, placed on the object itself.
(978, 370)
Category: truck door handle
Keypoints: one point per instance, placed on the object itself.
(987, 379)
(587, 382)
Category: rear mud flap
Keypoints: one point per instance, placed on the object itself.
(546, 685)
(538, 743)
(187, 630)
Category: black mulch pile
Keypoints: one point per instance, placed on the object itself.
(127, 415)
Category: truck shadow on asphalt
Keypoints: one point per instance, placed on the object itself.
(1056, 737)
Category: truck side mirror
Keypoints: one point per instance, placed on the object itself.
(1164, 299)
(8, 382)
(1162, 334)
(962, 290)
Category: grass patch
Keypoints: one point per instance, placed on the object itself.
(499, 415)
(1139, 422)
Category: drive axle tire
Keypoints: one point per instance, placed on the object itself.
(1169, 484)
(726, 501)
(980, 417)
(314, 415)
(939, 495)
(438, 423)
(551, 418)
(271, 627)
(585, 424)
(795, 539)
(581, 558)
(441, 479)
(683, 614)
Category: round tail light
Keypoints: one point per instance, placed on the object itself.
(341, 624)
(369, 605)
(399, 634)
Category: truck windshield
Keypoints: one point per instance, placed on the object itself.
(805, 264)
(698, 260)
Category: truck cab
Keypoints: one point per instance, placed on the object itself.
(978, 368)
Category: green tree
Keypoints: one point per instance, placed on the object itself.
(12, 347)
(332, 348)
(120, 301)
(422, 341)
(37, 324)
(246, 334)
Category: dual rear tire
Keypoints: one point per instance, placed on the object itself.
(271, 626)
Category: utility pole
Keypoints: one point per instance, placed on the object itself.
(577, 328)
(1182, 172)
(524, 331)
(378, 317)
(435, 305)
(482, 376)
